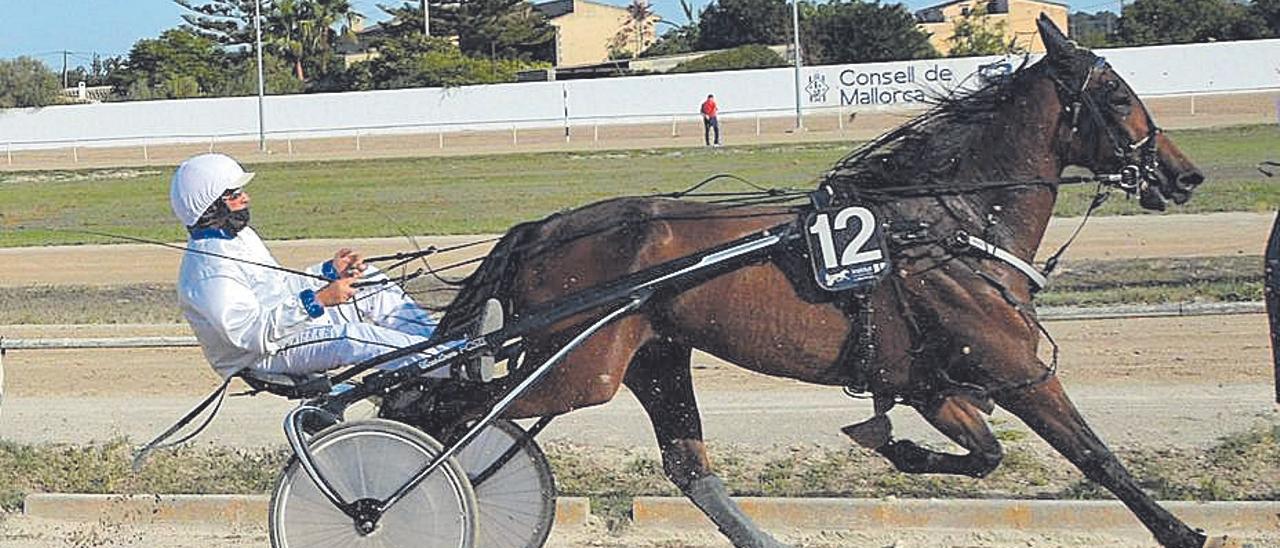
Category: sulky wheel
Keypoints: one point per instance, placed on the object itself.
(517, 498)
(372, 459)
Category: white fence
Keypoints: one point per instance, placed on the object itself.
(1162, 70)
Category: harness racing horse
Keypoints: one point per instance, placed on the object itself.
(949, 332)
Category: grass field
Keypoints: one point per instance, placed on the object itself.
(1237, 468)
(1077, 283)
(487, 194)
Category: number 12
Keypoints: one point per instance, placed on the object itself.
(853, 254)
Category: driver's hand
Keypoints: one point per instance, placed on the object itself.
(348, 263)
(337, 292)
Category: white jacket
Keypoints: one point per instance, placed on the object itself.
(240, 312)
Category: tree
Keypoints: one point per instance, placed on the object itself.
(301, 31)
(742, 57)
(1268, 13)
(731, 23)
(1151, 22)
(417, 61)
(406, 19)
(26, 82)
(242, 76)
(681, 39)
(974, 35)
(853, 31)
(97, 73)
(633, 37)
(180, 63)
(1094, 30)
(502, 29)
(227, 22)
(304, 32)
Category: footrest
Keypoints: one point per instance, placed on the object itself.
(288, 386)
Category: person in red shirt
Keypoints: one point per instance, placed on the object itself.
(709, 121)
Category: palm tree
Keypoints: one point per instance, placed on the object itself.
(330, 21)
(304, 31)
(285, 35)
(640, 18)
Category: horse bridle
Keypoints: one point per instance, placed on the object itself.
(1142, 167)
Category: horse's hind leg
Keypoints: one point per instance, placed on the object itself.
(959, 419)
(659, 377)
(1047, 410)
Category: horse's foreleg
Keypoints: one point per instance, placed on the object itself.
(959, 419)
(1047, 410)
(659, 377)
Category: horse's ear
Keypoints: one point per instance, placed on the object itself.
(1055, 43)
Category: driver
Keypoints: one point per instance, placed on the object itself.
(251, 317)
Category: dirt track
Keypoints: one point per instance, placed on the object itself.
(22, 532)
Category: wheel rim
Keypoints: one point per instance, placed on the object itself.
(371, 459)
(517, 503)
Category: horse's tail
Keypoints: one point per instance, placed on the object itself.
(490, 280)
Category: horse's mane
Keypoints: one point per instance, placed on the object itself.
(530, 239)
(926, 149)
(494, 272)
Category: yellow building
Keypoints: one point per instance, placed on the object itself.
(587, 31)
(1019, 18)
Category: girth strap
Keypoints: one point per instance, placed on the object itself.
(991, 250)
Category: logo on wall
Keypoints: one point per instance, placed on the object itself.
(817, 88)
(995, 71)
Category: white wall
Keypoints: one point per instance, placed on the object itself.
(1161, 70)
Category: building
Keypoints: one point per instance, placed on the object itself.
(586, 31)
(1019, 18)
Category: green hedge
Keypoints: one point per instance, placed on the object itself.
(741, 57)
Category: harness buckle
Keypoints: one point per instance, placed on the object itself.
(1130, 178)
(959, 242)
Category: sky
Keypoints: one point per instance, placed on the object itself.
(45, 28)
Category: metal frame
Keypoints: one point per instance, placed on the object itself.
(625, 295)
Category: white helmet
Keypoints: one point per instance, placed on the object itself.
(200, 181)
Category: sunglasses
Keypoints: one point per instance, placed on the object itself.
(233, 194)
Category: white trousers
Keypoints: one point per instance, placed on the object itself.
(379, 320)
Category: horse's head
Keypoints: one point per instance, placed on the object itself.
(1111, 129)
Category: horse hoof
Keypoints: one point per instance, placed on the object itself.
(1225, 542)
(873, 433)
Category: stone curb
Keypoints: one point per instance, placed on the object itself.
(571, 512)
(679, 514)
(1022, 515)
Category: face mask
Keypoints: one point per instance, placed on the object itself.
(236, 221)
(218, 216)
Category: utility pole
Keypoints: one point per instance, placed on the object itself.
(262, 85)
(795, 32)
(426, 19)
(64, 68)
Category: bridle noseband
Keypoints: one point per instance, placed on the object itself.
(1142, 161)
